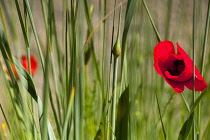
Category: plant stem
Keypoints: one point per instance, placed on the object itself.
(114, 97)
(202, 65)
(153, 24)
(193, 65)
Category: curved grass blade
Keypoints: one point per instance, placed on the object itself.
(25, 79)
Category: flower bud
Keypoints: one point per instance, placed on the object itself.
(116, 49)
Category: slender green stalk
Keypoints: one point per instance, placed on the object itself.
(103, 55)
(113, 31)
(67, 117)
(116, 52)
(27, 35)
(66, 51)
(153, 24)
(107, 132)
(114, 97)
(44, 131)
(202, 65)
(5, 118)
(163, 128)
(205, 38)
(185, 102)
(46, 89)
(22, 26)
(35, 33)
(193, 65)
(168, 19)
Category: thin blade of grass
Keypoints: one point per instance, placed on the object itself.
(205, 39)
(44, 132)
(128, 17)
(2, 110)
(151, 20)
(194, 135)
(203, 58)
(35, 33)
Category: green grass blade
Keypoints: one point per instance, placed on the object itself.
(197, 101)
(153, 24)
(161, 120)
(68, 114)
(35, 33)
(128, 17)
(22, 25)
(2, 110)
(205, 39)
(194, 135)
(26, 79)
(185, 102)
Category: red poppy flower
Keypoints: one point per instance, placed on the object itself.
(176, 67)
(33, 60)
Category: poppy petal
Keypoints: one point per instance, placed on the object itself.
(187, 59)
(163, 49)
(33, 64)
(33, 60)
(24, 62)
(184, 76)
(200, 85)
(178, 87)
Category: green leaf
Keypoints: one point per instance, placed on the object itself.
(25, 79)
(186, 128)
(123, 116)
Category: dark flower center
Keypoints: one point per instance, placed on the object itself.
(179, 66)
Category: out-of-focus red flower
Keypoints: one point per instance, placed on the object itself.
(33, 60)
(24, 62)
(176, 68)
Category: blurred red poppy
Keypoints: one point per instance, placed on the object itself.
(24, 62)
(33, 60)
(176, 67)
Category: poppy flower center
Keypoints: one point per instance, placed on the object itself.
(178, 67)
